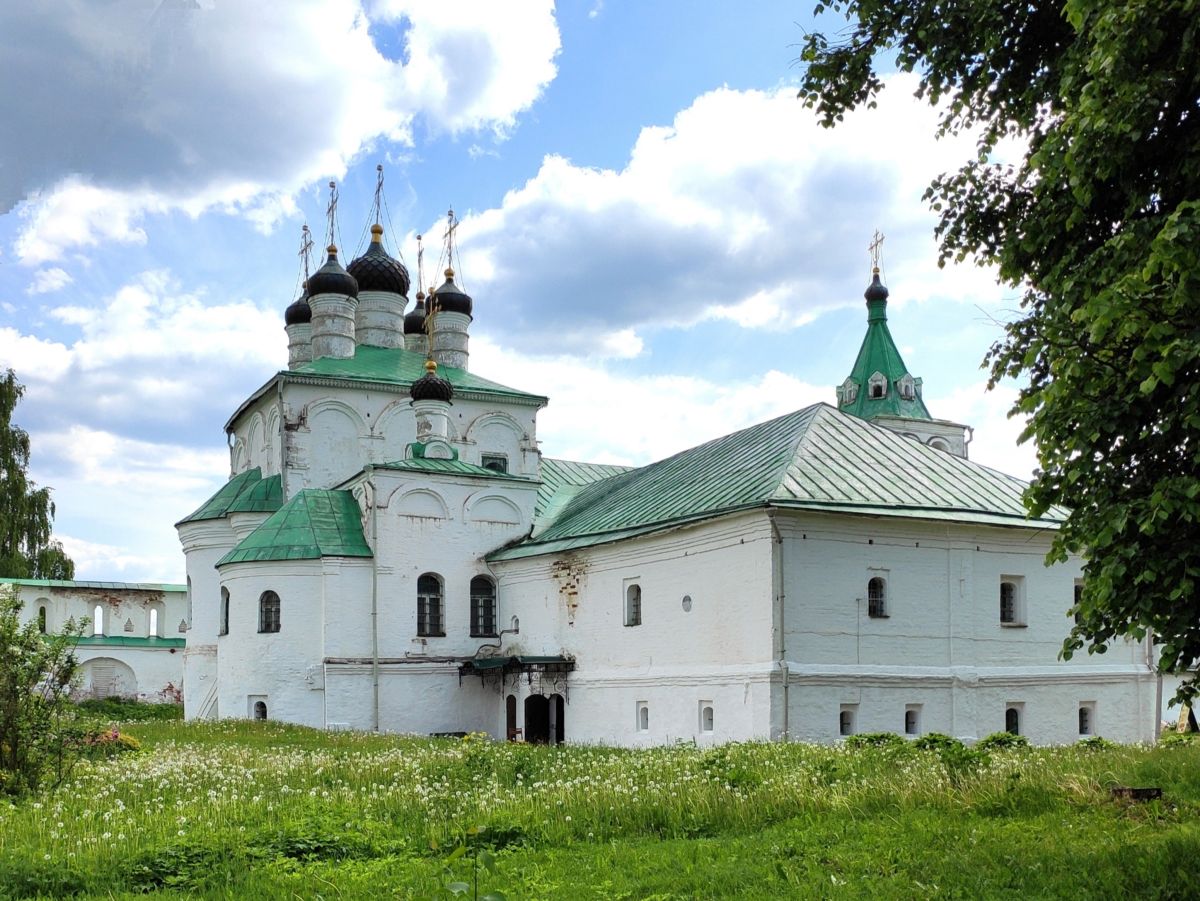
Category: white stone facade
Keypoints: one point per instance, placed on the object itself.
(756, 622)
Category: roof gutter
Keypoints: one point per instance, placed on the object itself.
(778, 599)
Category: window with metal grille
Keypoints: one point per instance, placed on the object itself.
(1012, 720)
(1085, 720)
(268, 612)
(633, 605)
(224, 621)
(877, 597)
(1008, 602)
(1078, 599)
(42, 620)
(429, 605)
(912, 720)
(483, 607)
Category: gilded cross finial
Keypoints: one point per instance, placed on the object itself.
(331, 211)
(306, 246)
(875, 249)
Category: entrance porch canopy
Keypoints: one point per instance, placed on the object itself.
(502, 666)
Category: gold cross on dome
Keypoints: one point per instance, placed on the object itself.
(874, 248)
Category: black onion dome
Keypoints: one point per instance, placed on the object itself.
(431, 386)
(876, 290)
(450, 299)
(332, 278)
(414, 320)
(375, 270)
(298, 312)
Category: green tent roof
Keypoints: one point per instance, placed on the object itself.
(879, 353)
(315, 523)
(816, 458)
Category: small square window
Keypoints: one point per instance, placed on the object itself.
(494, 462)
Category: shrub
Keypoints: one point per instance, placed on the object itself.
(936, 741)
(1096, 743)
(875, 740)
(106, 743)
(1002, 741)
(127, 710)
(1178, 738)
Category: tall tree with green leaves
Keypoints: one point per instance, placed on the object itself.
(26, 511)
(1098, 225)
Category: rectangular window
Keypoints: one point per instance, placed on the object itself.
(877, 599)
(1078, 598)
(494, 462)
(643, 716)
(846, 719)
(1087, 718)
(912, 719)
(706, 716)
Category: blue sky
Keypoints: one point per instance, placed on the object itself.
(656, 233)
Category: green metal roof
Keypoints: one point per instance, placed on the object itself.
(265, 496)
(130, 641)
(389, 366)
(448, 467)
(315, 523)
(562, 480)
(218, 505)
(816, 458)
(110, 586)
(879, 353)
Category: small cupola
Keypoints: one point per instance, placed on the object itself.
(415, 338)
(450, 299)
(876, 296)
(332, 278)
(377, 270)
(432, 386)
(298, 311)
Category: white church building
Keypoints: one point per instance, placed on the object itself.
(393, 552)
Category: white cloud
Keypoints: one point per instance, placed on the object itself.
(121, 110)
(46, 281)
(743, 209)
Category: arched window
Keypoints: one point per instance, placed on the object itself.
(912, 720)
(429, 605)
(153, 623)
(483, 606)
(633, 605)
(268, 615)
(939, 444)
(643, 716)
(1012, 721)
(1085, 720)
(98, 620)
(706, 716)
(223, 627)
(877, 597)
(260, 710)
(846, 720)
(42, 620)
(877, 385)
(908, 388)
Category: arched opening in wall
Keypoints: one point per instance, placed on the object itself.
(511, 732)
(537, 720)
(483, 607)
(939, 444)
(429, 605)
(633, 605)
(223, 627)
(268, 612)
(42, 620)
(98, 620)
(558, 712)
(153, 630)
(105, 677)
(706, 716)
(1012, 720)
(260, 710)
(1085, 719)
(877, 598)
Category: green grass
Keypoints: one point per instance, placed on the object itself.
(261, 810)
